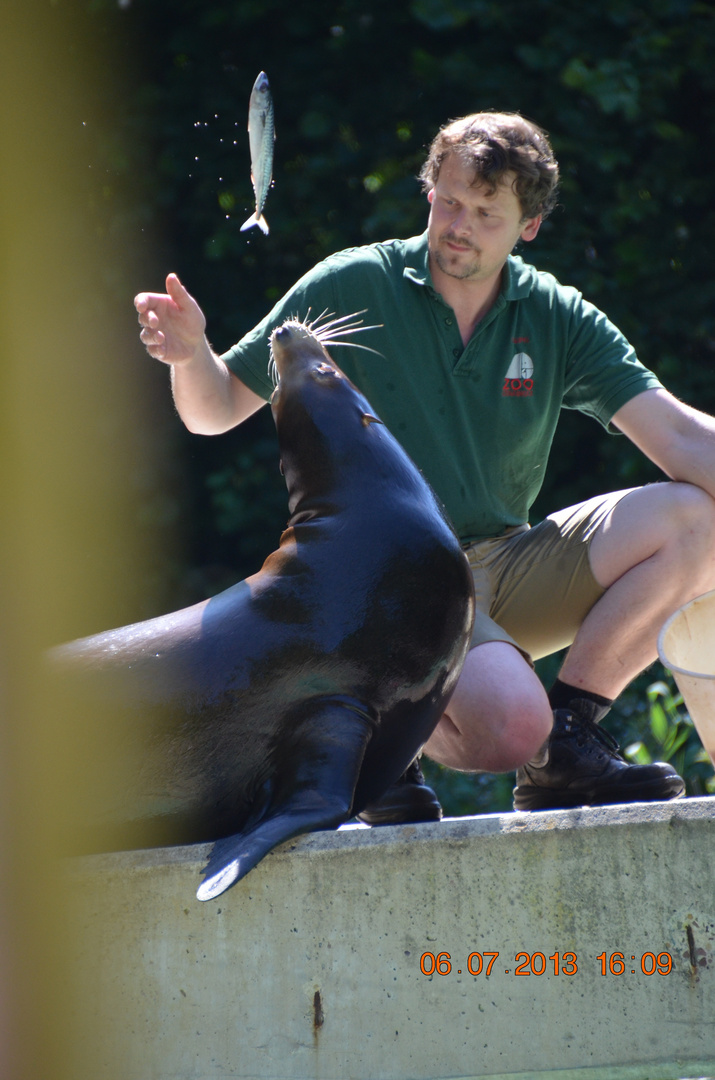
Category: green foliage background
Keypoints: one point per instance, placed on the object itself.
(626, 91)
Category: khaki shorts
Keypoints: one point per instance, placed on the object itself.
(534, 586)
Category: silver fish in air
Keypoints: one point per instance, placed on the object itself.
(261, 134)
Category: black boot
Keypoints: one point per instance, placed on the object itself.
(406, 801)
(579, 765)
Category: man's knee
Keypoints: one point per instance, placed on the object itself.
(522, 721)
(498, 717)
(691, 543)
(692, 507)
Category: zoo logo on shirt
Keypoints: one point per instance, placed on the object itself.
(519, 379)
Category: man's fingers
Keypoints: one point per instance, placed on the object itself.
(154, 342)
(142, 301)
(176, 290)
(152, 305)
(150, 337)
(149, 301)
(171, 322)
(148, 319)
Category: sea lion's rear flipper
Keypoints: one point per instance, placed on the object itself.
(329, 755)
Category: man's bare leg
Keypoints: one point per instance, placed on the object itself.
(498, 716)
(653, 553)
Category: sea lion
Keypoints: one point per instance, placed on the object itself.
(293, 699)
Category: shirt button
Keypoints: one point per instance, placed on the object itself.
(447, 322)
(455, 352)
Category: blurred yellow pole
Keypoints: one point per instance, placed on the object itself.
(60, 499)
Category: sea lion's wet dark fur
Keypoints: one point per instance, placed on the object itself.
(290, 701)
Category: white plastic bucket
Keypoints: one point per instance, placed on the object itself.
(686, 645)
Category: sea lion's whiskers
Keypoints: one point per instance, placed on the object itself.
(314, 324)
(320, 329)
(328, 332)
(355, 344)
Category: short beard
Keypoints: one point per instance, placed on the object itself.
(466, 271)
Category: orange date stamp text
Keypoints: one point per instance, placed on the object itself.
(539, 963)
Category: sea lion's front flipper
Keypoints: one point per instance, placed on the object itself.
(331, 749)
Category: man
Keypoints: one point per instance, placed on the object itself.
(480, 353)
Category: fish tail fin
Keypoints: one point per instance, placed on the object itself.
(256, 219)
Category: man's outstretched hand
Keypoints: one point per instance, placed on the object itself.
(173, 323)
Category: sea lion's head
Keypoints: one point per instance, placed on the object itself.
(298, 346)
(298, 356)
(319, 414)
(308, 381)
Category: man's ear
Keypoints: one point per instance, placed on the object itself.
(430, 196)
(531, 228)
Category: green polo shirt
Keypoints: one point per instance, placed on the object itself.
(477, 420)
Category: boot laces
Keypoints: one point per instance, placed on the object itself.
(589, 731)
(413, 773)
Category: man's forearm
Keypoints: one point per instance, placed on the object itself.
(679, 439)
(208, 398)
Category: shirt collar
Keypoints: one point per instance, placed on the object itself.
(417, 261)
(517, 279)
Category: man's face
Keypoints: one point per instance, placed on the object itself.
(471, 231)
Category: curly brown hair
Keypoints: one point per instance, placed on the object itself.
(494, 144)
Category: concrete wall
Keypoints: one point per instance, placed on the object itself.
(310, 967)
